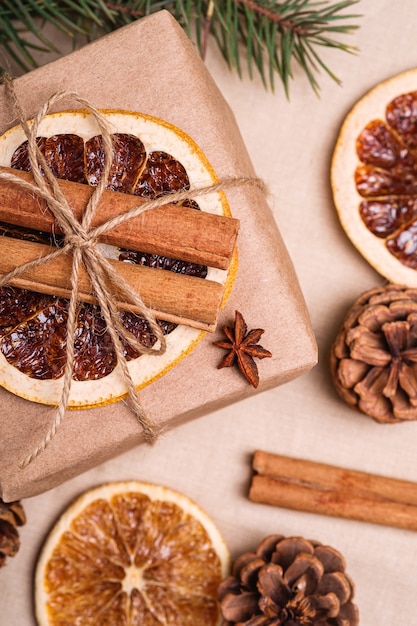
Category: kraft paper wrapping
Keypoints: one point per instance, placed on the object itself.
(152, 67)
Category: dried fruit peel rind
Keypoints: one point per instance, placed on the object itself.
(155, 134)
(156, 494)
(344, 162)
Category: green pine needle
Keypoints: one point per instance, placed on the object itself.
(273, 36)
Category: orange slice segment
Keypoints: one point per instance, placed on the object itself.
(150, 157)
(374, 177)
(131, 554)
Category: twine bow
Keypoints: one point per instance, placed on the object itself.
(81, 240)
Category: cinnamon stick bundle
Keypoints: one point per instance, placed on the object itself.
(170, 230)
(328, 490)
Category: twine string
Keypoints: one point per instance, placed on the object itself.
(81, 240)
(82, 245)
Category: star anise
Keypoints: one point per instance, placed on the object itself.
(243, 348)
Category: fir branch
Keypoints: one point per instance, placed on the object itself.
(270, 15)
(131, 13)
(276, 35)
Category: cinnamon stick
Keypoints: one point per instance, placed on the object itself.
(328, 490)
(344, 504)
(331, 477)
(173, 297)
(171, 230)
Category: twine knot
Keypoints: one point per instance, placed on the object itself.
(82, 241)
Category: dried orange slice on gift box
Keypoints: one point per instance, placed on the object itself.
(374, 177)
(150, 158)
(131, 553)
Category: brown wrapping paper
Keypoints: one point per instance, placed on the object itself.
(151, 66)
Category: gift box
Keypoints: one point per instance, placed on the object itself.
(152, 67)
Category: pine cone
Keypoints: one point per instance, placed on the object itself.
(288, 581)
(11, 516)
(374, 357)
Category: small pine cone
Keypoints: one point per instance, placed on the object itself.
(288, 581)
(373, 360)
(12, 515)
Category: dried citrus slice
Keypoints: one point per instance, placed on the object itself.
(151, 157)
(131, 554)
(374, 177)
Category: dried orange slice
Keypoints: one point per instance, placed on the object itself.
(131, 554)
(151, 157)
(374, 177)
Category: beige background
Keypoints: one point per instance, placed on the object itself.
(209, 459)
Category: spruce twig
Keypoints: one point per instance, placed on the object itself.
(275, 36)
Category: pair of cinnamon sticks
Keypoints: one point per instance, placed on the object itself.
(174, 231)
(320, 488)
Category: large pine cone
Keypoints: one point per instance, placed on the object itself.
(288, 581)
(11, 516)
(374, 357)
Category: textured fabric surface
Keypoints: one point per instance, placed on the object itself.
(290, 143)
